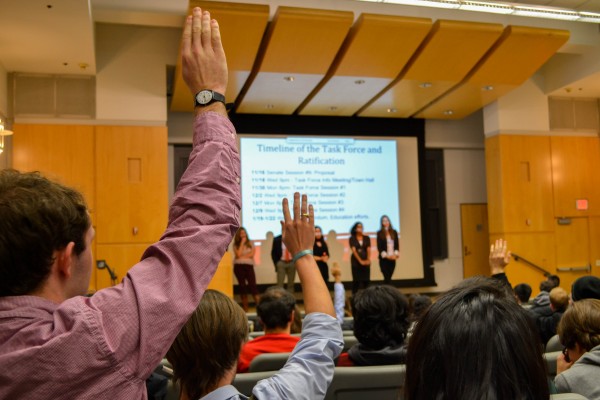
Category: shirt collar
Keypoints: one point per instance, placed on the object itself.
(223, 393)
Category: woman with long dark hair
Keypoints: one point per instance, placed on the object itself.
(243, 266)
(321, 253)
(388, 247)
(476, 342)
(360, 245)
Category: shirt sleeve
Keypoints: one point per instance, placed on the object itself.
(309, 370)
(135, 322)
(562, 386)
(339, 301)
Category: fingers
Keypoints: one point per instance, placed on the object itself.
(286, 212)
(205, 32)
(187, 36)
(196, 27)
(216, 37)
(311, 216)
(304, 206)
(296, 207)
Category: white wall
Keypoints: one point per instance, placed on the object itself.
(464, 172)
(131, 77)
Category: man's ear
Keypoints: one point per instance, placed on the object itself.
(64, 260)
(292, 316)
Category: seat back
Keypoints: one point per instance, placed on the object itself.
(268, 362)
(550, 359)
(567, 396)
(349, 341)
(244, 383)
(553, 344)
(382, 382)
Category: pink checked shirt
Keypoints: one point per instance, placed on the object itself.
(104, 347)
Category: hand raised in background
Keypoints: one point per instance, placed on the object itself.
(203, 61)
(499, 256)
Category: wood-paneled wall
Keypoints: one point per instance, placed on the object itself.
(533, 182)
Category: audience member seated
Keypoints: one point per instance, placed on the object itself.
(578, 367)
(475, 342)
(276, 310)
(543, 297)
(586, 287)
(380, 325)
(205, 352)
(547, 318)
(420, 305)
(523, 293)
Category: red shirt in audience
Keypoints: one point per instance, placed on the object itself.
(269, 343)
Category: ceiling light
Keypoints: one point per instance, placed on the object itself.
(391, 110)
(487, 88)
(332, 108)
(589, 17)
(448, 112)
(425, 85)
(546, 13)
(359, 81)
(289, 78)
(427, 3)
(482, 6)
(269, 106)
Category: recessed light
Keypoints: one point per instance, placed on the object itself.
(359, 81)
(289, 78)
(269, 106)
(332, 108)
(425, 85)
(391, 110)
(448, 112)
(487, 88)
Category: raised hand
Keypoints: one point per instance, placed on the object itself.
(499, 256)
(298, 233)
(203, 61)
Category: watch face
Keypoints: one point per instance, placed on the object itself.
(204, 97)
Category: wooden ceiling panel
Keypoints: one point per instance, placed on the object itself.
(300, 45)
(515, 57)
(451, 50)
(374, 53)
(242, 28)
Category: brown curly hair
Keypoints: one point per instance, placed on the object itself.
(581, 324)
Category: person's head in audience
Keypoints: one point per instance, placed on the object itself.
(546, 286)
(554, 279)
(586, 287)
(205, 352)
(45, 238)
(523, 292)
(579, 328)
(475, 342)
(559, 299)
(357, 229)
(276, 310)
(421, 304)
(380, 317)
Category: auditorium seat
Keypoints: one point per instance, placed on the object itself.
(349, 341)
(550, 359)
(254, 335)
(382, 382)
(268, 362)
(245, 382)
(553, 344)
(567, 396)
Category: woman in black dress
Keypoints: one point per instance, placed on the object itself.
(388, 247)
(321, 253)
(360, 245)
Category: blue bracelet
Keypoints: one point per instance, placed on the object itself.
(301, 254)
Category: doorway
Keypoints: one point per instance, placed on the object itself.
(475, 239)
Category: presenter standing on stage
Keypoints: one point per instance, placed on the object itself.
(321, 253)
(360, 245)
(388, 247)
(243, 266)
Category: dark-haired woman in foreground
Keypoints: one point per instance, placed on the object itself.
(360, 246)
(475, 342)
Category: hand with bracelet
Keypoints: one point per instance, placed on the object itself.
(298, 235)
